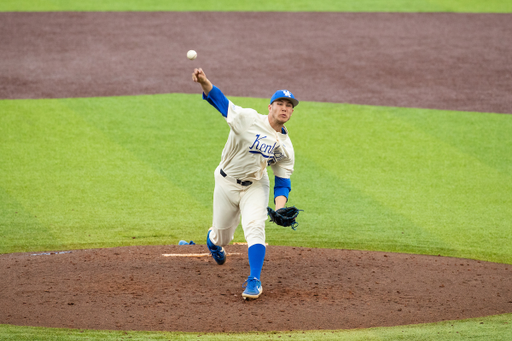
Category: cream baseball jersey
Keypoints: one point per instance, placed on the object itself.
(253, 145)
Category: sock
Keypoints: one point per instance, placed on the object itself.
(256, 258)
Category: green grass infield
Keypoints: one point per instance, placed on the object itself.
(101, 172)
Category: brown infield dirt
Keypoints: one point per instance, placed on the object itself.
(437, 61)
(137, 288)
(422, 60)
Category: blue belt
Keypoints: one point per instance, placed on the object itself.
(240, 182)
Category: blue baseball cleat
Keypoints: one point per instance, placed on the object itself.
(253, 288)
(218, 253)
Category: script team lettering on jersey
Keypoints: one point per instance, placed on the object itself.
(258, 147)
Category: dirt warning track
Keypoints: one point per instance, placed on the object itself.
(450, 61)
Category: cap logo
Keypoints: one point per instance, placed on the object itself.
(287, 93)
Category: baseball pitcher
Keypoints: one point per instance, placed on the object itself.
(242, 185)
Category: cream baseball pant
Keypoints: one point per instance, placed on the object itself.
(230, 200)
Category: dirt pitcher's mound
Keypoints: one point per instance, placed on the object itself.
(137, 288)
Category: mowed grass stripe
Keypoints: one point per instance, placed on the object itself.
(178, 135)
(474, 6)
(430, 182)
(493, 150)
(339, 215)
(81, 185)
(21, 229)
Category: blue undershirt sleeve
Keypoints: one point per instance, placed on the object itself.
(218, 100)
(282, 186)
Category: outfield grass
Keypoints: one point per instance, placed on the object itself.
(474, 6)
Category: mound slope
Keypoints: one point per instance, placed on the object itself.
(137, 288)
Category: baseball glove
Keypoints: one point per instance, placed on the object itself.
(284, 216)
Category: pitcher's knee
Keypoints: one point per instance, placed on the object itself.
(255, 236)
(221, 237)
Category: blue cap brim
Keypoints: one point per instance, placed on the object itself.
(292, 100)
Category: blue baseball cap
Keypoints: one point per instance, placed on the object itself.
(284, 94)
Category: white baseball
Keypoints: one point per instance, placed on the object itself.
(191, 54)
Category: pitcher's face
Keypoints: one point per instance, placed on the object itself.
(280, 111)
